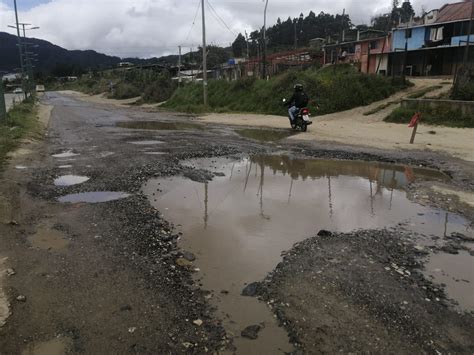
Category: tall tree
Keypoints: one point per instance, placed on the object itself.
(239, 47)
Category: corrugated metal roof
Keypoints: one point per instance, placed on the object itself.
(455, 12)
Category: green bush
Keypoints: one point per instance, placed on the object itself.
(332, 89)
(442, 116)
(125, 91)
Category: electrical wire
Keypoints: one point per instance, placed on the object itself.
(218, 18)
(194, 20)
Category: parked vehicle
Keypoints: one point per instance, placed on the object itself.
(39, 88)
(302, 119)
(18, 91)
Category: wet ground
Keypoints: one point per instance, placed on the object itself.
(239, 223)
(154, 230)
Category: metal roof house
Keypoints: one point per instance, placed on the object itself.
(433, 45)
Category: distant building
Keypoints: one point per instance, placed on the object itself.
(434, 44)
(11, 77)
(125, 64)
(369, 51)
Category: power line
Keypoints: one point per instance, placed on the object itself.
(218, 18)
(194, 20)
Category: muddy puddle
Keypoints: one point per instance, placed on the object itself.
(48, 238)
(147, 142)
(70, 180)
(265, 135)
(161, 126)
(239, 224)
(66, 154)
(57, 346)
(93, 197)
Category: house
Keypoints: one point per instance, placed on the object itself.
(369, 51)
(433, 45)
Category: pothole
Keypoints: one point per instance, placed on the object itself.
(265, 135)
(69, 180)
(147, 142)
(65, 154)
(160, 126)
(48, 238)
(239, 224)
(93, 197)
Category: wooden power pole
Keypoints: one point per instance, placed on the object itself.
(204, 55)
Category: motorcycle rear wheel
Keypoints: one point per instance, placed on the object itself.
(304, 127)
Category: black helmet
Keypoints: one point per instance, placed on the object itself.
(298, 87)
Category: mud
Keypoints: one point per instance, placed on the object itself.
(256, 208)
(160, 126)
(265, 135)
(93, 197)
(124, 283)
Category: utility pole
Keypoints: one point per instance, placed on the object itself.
(179, 67)
(21, 51)
(247, 42)
(469, 29)
(204, 54)
(265, 41)
(3, 107)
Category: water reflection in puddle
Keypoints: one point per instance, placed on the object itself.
(161, 126)
(69, 180)
(66, 154)
(65, 166)
(93, 197)
(21, 167)
(239, 224)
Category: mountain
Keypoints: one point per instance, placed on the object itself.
(53, 58)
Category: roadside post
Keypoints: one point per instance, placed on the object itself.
(3, 107)
(414, 124)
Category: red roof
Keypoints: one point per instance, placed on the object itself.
(455, 12)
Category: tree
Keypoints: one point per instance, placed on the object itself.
(239, 47)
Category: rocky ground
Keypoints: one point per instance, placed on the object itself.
(103, 278)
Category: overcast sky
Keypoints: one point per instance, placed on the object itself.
(145, 28)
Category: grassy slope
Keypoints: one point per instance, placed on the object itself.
(333, 89)
(20, 121)
(440, 116)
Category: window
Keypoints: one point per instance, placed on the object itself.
(373, 45)
(408, 33)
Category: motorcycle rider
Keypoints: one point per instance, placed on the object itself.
(297, 101)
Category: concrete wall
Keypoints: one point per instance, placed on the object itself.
(11, 98)
(416, 41)
(466, 107)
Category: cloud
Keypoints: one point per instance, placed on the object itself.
(147, 28)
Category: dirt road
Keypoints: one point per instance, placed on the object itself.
(90, 262)
(354, 128)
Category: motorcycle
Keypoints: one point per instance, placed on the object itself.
(302, 120)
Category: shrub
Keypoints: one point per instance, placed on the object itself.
(442, 116)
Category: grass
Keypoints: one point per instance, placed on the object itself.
(441, 116)
(423, 92)
(381, 107)
(333, 89)
(20, 121)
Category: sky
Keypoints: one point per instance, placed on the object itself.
(147, 28)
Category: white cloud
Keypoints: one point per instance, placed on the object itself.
(155, 27)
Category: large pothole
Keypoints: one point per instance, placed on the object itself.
(239, 224)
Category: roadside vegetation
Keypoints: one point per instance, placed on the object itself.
(442, 116)
(152, 86)
(331, 89)
(422, 92)
(20, 121)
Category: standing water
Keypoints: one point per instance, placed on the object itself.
(238, 224)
